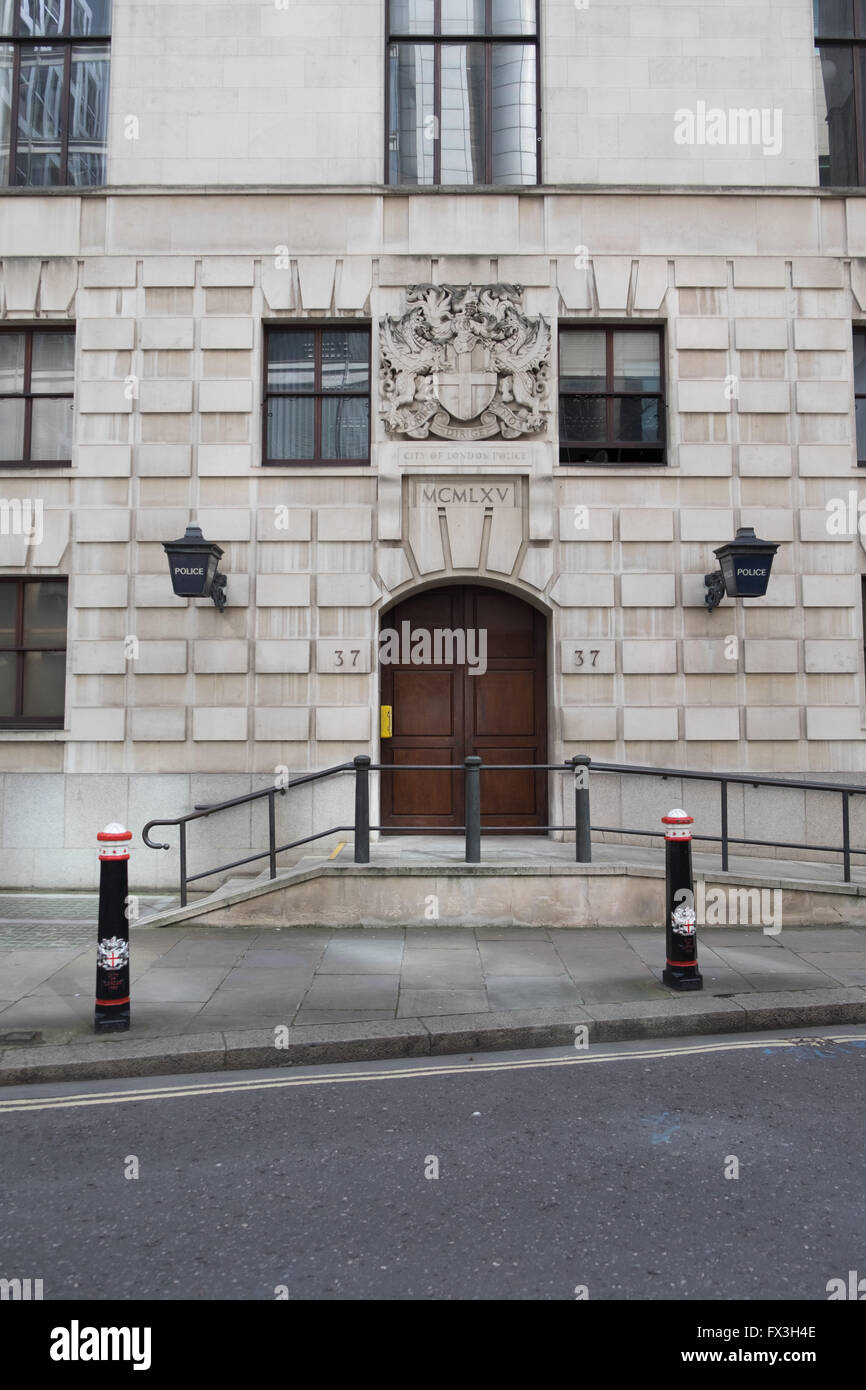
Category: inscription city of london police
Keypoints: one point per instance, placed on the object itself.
(464, 363)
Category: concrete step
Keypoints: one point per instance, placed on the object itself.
(521, 884)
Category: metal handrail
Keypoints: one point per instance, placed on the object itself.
(472, 768)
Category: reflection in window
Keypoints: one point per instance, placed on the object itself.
(317, 399)
(32, 653)
(462, 108)
(37, 368)
(54, 70)
(611, 403)
(840, 63)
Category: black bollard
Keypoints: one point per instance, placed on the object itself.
(112, 950)
(681, 941)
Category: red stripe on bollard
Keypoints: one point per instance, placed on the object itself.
(681, 941)
(112, 1006)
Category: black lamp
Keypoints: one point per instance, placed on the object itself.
(192, 563)
(745, 563)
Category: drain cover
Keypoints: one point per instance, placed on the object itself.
(10, 1039)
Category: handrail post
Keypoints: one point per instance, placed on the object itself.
(472, 801)
(723, 790)
(362, 809)
(183, 863)
(272, 831)
(582, 835)
(846, 836)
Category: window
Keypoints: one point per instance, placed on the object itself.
(36, 411)
(317, 395)
(462, 92)
(860, 393)
(32, 653)
(840, 43)
(611, 396)
(54, 61)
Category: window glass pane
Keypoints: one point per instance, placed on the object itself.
(51, 430)
(515, 148)
(636, 418)
(11, 362)
(345, 360)
(463, 17)
(44, 683)
(7, 15)
(513, 16)
(860, 18)
(91, 17)
(834, 19)
(40, 98)
(345, 427)
(6, 52)
(411, 16)
(636, 362)
(45, 614)
(291, 427)
(8, 672)
(860, 362)
(837, 148)
(411, 138)
(860, 412)
(88, 115)
(11, 430)
(292, 360)
(53, 363)
(42, 17)
(463, 138)
(582, 359)
(583, 417)
(8, 614)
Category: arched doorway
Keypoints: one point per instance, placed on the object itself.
(442, 712)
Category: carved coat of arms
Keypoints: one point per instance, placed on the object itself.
(112, 953)
(464, 363)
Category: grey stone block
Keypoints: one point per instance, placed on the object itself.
(106, 1060)
(668, 1018)
(500, 1031)
(342, 1042)
(802, 1008)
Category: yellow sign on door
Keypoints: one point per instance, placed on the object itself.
(385, 718)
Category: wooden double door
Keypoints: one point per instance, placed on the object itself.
(442, 713)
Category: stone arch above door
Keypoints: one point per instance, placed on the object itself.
(463, 527)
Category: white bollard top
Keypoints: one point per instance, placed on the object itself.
(676, 822)
(114, 842)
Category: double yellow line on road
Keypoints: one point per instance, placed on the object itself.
(409, 1071)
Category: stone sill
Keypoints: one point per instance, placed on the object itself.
(34, 735)
(533, 190)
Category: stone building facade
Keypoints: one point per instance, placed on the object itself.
(245, 191)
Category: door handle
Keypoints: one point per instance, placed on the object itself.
(386, 713)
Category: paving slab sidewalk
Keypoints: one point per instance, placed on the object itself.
(212, 998)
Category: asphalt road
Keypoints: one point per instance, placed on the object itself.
(557, 1171)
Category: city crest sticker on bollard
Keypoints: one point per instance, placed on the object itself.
(681, 940)
(112, 1013)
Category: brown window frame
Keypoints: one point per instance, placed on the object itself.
(610, 443)
(318, 328)
(28, 396)
(19, 720)
(437, 40)
(21, 41)
(854, 42)
(859, 330)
